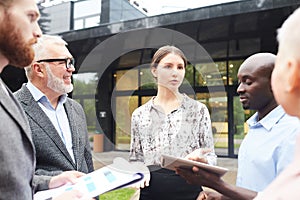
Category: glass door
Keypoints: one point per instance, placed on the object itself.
(216, 103)
(240, 127)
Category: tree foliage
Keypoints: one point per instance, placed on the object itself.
(82, 88)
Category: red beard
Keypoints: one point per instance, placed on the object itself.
(13, 46)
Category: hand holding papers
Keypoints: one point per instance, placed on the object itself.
(145, 171)
(119, 174)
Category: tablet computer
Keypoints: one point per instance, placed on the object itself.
(171, 162)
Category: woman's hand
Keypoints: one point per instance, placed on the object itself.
(204, 155)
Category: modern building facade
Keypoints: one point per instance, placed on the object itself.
(113, 76)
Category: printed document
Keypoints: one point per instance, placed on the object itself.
(117, 175)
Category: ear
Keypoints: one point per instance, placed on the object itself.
(38, 69)
(293, 76)
(154, 72)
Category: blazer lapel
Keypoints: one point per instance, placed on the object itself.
(75, 137)
(34, 111)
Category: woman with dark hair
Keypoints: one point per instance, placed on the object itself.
(170, 123)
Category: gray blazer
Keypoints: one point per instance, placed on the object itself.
(17, 154)
(51, 153)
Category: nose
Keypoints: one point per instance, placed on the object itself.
(71, 69)
(240, 89)
(37, 32)
(174, 72)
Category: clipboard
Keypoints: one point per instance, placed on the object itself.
(171, 162)
(117, 175)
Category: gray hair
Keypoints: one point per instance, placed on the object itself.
(41, 49)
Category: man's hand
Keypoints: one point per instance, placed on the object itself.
(200, 177)
(211, 195)
(202, 196)
(64, 178)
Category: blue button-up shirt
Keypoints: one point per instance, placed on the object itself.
(267, 149)
(57, 116)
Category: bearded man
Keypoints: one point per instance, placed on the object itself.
(54, 118)
(19, 30)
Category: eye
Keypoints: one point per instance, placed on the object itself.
(248, 82)
(167, 66)
(180, 67)
(32, 16)
(61, 62)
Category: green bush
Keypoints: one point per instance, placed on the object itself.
(120, 194)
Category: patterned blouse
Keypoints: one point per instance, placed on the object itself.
(178, 133)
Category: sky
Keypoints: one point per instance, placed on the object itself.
(156, 7)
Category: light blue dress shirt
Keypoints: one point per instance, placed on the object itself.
(57, 116)
(267, 149)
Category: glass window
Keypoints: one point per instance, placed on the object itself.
(85, 83)
(189, 75)
(240, 126)
(211, 74)
(90, 113)
(233, 68)
(145, 99)
(216, 49)
(126, 79)
(130, 59)
(239, 123)
(242, 47)
(85, 8)
(216, 103)
(147, 80)
(89, 108)
(78, 24)
(125, 105)
(92, 21)
(147, 55)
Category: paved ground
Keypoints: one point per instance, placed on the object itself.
(105, 158)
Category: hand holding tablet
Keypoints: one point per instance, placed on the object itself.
(170, 162)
